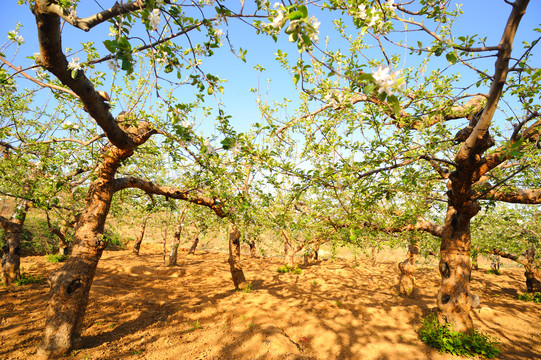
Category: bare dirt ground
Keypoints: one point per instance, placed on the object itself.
(335, 309)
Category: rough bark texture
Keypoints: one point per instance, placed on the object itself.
(174, 248)
(70, 285)
(532, 274)
(234, 257)
(140, 236)
(194, 245)
(407, 270)
(454, 297)
(11, 259)
(253, 249)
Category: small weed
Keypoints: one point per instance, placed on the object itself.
(26, 279)
(112, 325)
(56, 258)
(446, 340)
(535, 297)
(251, 325)
(248, 288)
(338, 303)
(74, 353)
(292, 269)
(137, 352)
(195, 326)
(494, 272)
(315, 283)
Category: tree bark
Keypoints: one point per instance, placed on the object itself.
(407, 270)
(253, 249)
(174, 248)
(454, 296)
(11, 259)
(70, 285)
(140, 235)
(194, 245)
(234, 257)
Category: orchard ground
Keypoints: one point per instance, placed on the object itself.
(335, 309)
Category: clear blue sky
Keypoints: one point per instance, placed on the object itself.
(484, 17)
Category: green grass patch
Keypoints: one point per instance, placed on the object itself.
(56, 258)
(535, 297)
(248, 288)
(494, 272)
(446, 340)
(26, 279)
(292, 269)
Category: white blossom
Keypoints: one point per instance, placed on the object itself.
(277, 5)
(279, 20)
(73, 13)
(362, 11)
(154, 19)
(385, 80)
(74, 64)
(112, 65)
(186, 124)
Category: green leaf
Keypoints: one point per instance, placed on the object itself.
(296, 78)
(451, 57)
(111, 45)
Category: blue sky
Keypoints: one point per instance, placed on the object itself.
(484, 17)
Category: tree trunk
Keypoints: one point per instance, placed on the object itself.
(533, 275)
(253, 249)
(140, 235)
(374, 256)
(174, 248)
(289, 252)
(474, 261)
(194, 245)
(11, 259)
(407, 270)
(70, 285)
(234, 257)
(454, 297)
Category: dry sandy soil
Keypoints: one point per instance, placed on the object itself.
(141, 309)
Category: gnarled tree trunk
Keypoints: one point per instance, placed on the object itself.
(234, 257)
(253, 249)
(11, 259)
(532, 274)
(140, 235)
(194, 244)
(454, 296)
(70, 285)
(407, 270)
(174, 248)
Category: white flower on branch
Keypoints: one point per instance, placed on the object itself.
(154, 19)
(386, 80)
(362, 11)
(279, 20)
(74, 64)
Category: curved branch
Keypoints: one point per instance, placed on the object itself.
(89, 22)
(193, 196)
(50, 86)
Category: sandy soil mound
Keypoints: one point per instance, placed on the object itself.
(335, 309)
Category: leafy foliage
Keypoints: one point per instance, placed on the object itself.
(292, 269)
(56, 258)
(535, 297)
(443, 338)
(26, 279)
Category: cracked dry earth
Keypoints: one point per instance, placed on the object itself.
(336, 309)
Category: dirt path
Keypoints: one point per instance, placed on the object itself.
(141, 309)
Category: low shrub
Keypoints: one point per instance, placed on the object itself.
(445, 339)
(56, 258)
(286, 268)
(494, 272)
(26, 279)
(535, 297)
